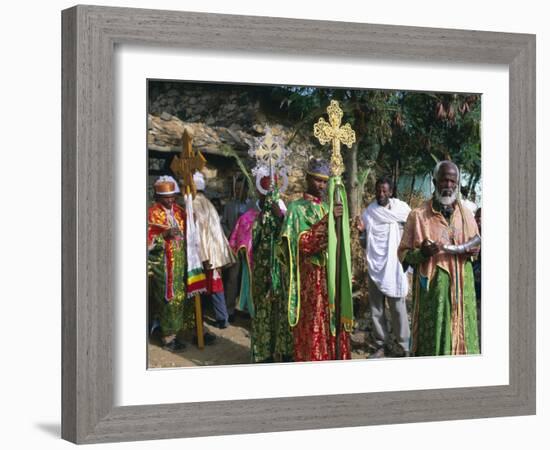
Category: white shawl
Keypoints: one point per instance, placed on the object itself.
(384, 229)
(194, 263)
(214, 246)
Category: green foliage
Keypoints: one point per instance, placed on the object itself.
(402, 132)
(433, 127)
(228, 151)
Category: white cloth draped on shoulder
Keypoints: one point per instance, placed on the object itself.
(196, 280)
(384, 229)
(214, 246)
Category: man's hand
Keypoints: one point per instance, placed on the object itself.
(338, 211)
(171, 233)
(473, 252)
(429, 248)
(276, 210)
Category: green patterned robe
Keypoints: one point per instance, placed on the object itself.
(302, 214)
(172, 316)
(432, 306)
(271, 337)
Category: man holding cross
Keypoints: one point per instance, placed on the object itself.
(270, 335)
(166, 260)
(304, 246)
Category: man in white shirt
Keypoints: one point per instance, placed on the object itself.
(383, 222)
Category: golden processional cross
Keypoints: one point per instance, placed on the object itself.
(187, 163)
(332, 131)
(326, 132)
(184, 166)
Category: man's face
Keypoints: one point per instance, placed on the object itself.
(446, 184)
(383, 193)
(316, 186)
(167, 201)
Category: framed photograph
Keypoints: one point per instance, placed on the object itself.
(144, 99)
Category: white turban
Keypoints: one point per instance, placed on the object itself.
(198, 179)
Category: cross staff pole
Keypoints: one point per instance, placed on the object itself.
(183, 166)
(198, 307)
(326, 132)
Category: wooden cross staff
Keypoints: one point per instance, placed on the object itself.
(184, 166)
(187, 163)
(326, 132)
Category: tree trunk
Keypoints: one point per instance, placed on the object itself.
(470, 185)
(412, 188)
(395, 177)
(352, 183)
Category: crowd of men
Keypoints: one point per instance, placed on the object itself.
(269, 260)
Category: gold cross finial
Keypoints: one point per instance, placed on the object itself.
(187, 163)
(332, 131)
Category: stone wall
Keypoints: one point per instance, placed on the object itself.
(221, 118)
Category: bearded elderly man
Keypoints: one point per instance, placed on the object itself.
(438, 241)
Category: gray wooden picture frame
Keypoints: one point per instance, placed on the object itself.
(90, 34)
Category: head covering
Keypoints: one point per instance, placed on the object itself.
(198, 179)
(263, 179)
(318, 168)
(265, 182)
(166, 186)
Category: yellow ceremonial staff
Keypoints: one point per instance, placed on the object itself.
(184, 166)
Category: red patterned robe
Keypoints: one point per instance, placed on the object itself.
(159, 220)
(306, 232)
(167, 269)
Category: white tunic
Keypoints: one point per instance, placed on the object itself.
(384, 227)
(470, 205)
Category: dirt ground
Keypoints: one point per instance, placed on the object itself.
(232, 346)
